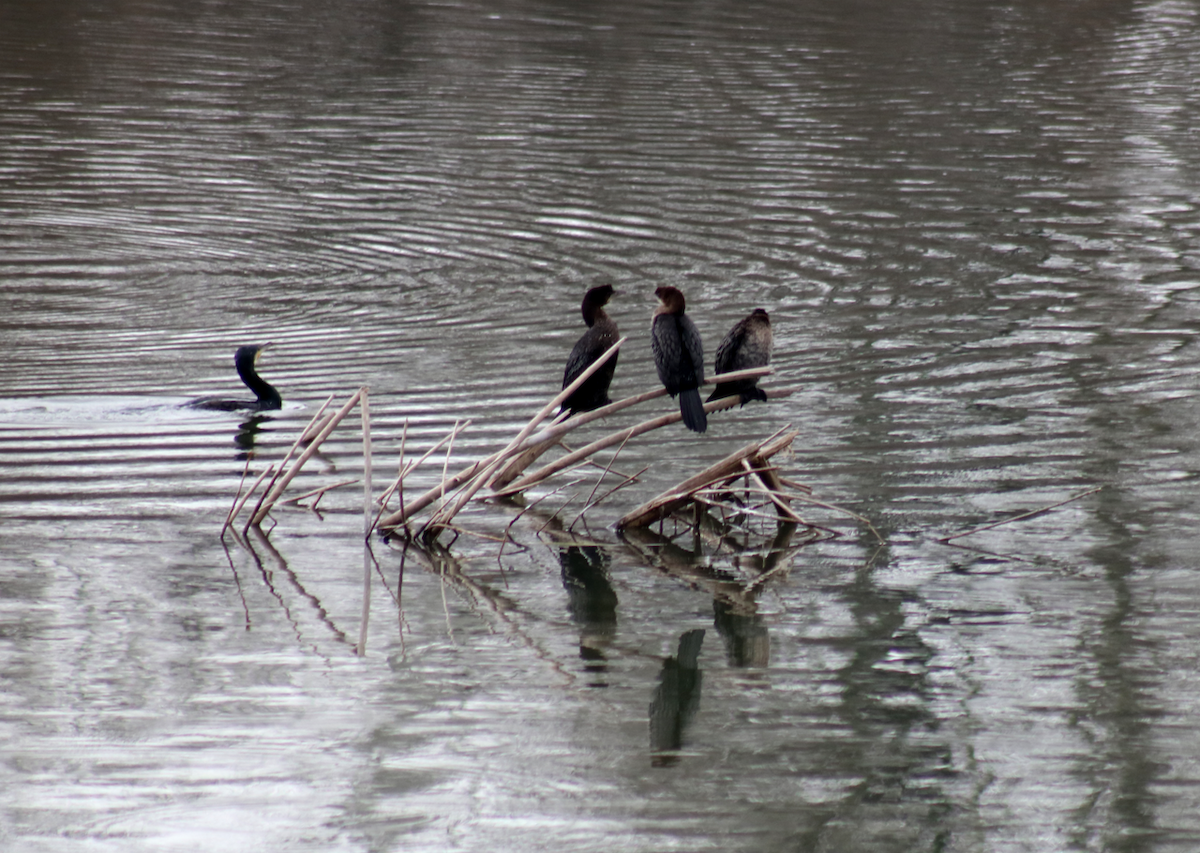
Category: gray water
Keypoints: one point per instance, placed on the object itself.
(975, 228)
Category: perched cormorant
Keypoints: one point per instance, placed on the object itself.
(748, 344)
(268, 398)
(601, 334)
(678, 355)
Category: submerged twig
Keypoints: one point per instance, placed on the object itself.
(866, 521)
(1023, 515)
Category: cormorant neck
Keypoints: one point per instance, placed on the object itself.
(268, 397)
(593, 314)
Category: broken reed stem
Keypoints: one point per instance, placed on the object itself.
(277, 489)
(804, 487)
(764, 478)
(1023, 515)
(667, 502)
(444, 514)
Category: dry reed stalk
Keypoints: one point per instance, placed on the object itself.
(604, 473)
(270, 469)
(238, 493)
(1023, 515)
(287, 457)
(525, 442)
(318, 492)
(397, 484)
(446, 461)
(360, 650)
(804, 487)
(273, 495)
(399, 472)
(314, 428)
(546, 439)
(446, 513)
(709, 498)
(619, 437)
(402, 515)
(666, 503)
(757, 468)
(364, 407)
(630, 478)
(718, 490)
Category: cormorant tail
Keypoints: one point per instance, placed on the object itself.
(692, 410)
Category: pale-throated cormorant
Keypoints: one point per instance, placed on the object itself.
(748, 344)
(268, 398)
(601, 334)
(679, 356)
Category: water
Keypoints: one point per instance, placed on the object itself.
(976, 232)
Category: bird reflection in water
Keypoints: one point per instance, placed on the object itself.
(592, 602)
(676, 700)
(747, 641)
(247, 434)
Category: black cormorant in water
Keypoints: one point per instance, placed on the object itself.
(748, 344)
(678, 355)
(268, 398)
(601, 334)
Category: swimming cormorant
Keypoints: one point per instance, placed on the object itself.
(601, 334)
(679, 356)
(748, 344)
(268, 398)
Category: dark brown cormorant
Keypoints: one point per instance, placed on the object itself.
(679, 356)
(748, 344)
(268, 398)
(601, 334)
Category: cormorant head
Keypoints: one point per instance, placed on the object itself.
(247, 357)
(760, 314)
(671, 299)
(594, 300)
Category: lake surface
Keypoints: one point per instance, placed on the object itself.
(977, 231)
